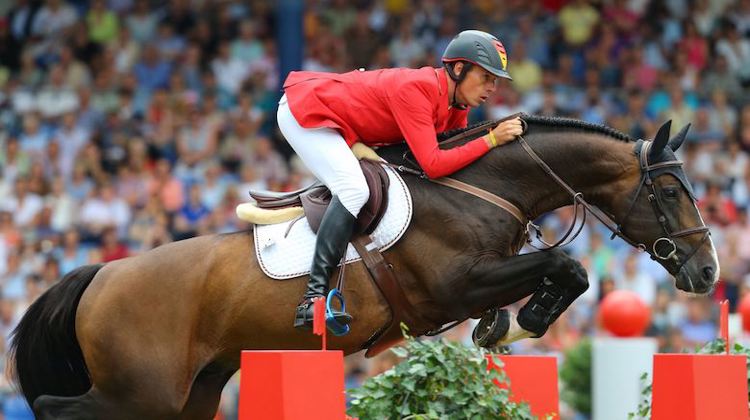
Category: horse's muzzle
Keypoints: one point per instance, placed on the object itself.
(697, 280)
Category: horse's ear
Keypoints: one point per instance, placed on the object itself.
(660, 141)
(676, 141)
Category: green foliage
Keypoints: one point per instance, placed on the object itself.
(437, 380)
(644, 405)
(717, 346)
(575, 375)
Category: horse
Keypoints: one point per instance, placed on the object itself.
(158, 335)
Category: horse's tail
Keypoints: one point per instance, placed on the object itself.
(45, 357)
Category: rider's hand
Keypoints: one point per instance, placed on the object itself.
(507, 131)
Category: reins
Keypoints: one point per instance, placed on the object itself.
(580, 205)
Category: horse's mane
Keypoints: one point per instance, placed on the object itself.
(559, 122)
(536, 123)
(550, 123)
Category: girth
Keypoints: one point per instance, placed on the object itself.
(401, 310)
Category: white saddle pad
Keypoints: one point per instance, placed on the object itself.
(284, 257)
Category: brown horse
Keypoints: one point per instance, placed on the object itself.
(157, 336)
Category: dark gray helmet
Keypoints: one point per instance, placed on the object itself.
(479, 48)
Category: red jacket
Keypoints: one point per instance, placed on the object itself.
(385, 107)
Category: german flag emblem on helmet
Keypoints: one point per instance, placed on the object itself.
(501, 52)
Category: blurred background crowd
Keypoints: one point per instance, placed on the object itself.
(127, 124)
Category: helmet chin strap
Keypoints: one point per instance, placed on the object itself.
(455, 104)
(458, 78)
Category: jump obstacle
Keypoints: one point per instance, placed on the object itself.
(295, 385)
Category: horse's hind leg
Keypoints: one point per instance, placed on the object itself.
(205, 394)
(95, 405)
(92, 405)
(83, 407)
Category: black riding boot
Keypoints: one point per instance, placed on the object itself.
(333, 237)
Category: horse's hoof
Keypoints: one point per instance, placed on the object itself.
(492, 327)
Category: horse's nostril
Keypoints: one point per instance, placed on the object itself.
(708, 273)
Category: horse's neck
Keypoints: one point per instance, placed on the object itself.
(602, 169)
(599, 167)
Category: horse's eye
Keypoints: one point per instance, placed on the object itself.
(671, 192)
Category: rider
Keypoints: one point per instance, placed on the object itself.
(323, 114)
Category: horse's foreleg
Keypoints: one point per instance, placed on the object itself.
(553, 296)
(553, 280)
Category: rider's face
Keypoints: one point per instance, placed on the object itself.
(478, 85)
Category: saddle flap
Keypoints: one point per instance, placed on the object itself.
(315, 202)
(378, 183)
(285, 250)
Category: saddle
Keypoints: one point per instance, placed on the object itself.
(315, 199)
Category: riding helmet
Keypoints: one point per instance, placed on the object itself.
(478, 48)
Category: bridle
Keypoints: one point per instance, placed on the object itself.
(664, 248)
(670, 253)
(658, 206)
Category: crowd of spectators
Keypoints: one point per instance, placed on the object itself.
(127, 124)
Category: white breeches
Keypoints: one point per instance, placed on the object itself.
(328, 157)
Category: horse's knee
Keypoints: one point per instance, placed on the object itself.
(558, 260)
(569, 273)
(578, 281)
(566, 281)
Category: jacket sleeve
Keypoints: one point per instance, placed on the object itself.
(412, 109)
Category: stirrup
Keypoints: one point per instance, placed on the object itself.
(338, 329)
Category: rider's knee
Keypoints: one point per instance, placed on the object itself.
(353, 194)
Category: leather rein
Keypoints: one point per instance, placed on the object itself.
(664, 248)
